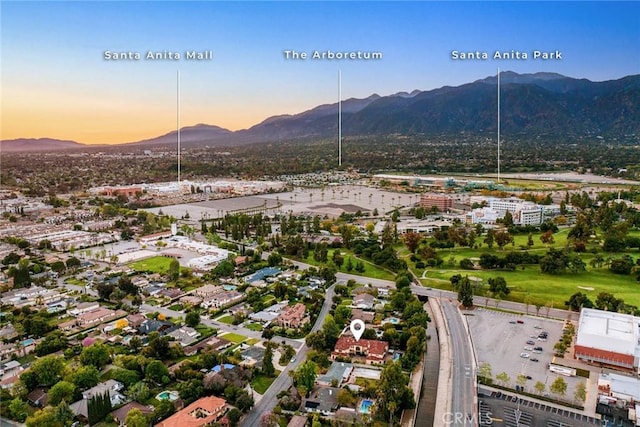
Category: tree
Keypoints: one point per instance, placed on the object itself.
(547, 238)
(97, 355)
(21, 275)
(174, 270)
(498, 286)
(192, 318)
(45, 418)
(558, 386)
(606, 301)
(267, 362)
(521, 380)
(484, 371)
(233, 415)
(393, 393)
(530, 240)
(62, 390)
(157, 372)
(274, 259)
(465, 292)
(139, 391)
(579, 301)
(540, 387)
(581, 392)
(412, 240)
(503, 378)
(19, 409)
(135, 418)
(304, 377)
(503, 238)
(269, 419)
(48, 370)
(73, 263)
(98, 407)
(85, 377)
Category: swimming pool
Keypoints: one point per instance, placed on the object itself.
(168, 395)
(365, 406)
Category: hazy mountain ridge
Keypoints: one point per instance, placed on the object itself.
(535, 104)
(37, 144)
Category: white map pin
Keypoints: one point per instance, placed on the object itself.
(357, 328)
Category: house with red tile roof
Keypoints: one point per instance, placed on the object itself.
(373, 351)
(293, 317)
(202, 412)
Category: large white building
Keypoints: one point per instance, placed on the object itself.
(608, 338)
(523, 212)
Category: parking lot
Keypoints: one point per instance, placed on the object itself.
(500, 339)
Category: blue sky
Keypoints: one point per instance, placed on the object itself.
(56, 82)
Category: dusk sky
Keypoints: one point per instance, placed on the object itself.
(57, 83)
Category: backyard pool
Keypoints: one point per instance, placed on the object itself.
(168, 395)
(365, 406)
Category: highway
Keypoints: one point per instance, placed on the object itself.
(283, 382)
(463, 379)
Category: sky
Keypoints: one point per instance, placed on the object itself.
(57, 83)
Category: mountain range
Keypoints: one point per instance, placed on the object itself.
(539, 104)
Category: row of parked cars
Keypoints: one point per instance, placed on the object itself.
(531, 344)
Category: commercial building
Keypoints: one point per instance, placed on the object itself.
(608, 338)
(429, 201)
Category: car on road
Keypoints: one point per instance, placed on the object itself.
(533, 359)
(520, 322)
(513, 322)
(537, 326)
(524, 355)
(531, 342)
(293, 359)
(528, 348)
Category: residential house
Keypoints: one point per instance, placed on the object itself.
(214, 343)
(365, 316)
(56, 306)
(152, 325)
(112, 387)
(120, 414)
(84, 307)
(338, 373)
(38, 398)
(293, 317)
(171, 293)
(185, 335)
(203, 412)
(222, 299)
(98, 316)
(207, 291)
(364, 301)
(297, 421)
(135, 320)
(191, 300)
(252, 356)
(373, 351)
(323, 400)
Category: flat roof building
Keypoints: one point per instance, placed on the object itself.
(608, 338)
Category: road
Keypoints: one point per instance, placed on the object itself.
(283, 382)
(463, 380)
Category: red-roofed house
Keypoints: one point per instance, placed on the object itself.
(293, 317)
(373, 350)
(202, 412)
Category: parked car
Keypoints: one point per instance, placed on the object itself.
(537, 326)
(524, 355)
(520, 322)
(513, 322)
(528, 348)
(531, 342)
(533, 359)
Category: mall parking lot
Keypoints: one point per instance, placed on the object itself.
(499, 338)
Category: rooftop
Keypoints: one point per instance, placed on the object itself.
(616, 332)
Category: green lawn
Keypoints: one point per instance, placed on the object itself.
(156, 264)
(254, 327)
(226, 319)
(530, 284)
(252, 341)
(546, 289)
(370, 269)
(234, 338)
(261, 383)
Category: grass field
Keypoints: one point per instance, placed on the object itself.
(254, 327)
(261, 383)
(370, 269)
(234, 338)
(156, 264)
(226, 319)
(252, 341)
